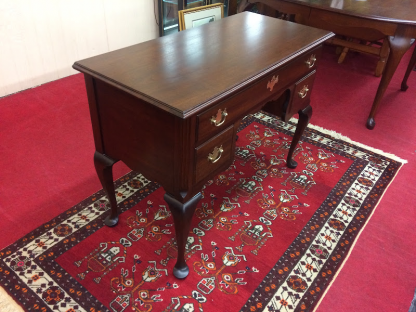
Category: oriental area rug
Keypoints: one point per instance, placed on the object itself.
(263, 237)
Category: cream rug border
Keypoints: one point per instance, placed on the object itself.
(7, 304)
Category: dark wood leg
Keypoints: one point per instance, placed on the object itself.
(304, 117)
(412, 64)
(399, 44)
(182, 215)
(104, 167)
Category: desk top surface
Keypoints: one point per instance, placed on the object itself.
(400, 11)
(185, 72)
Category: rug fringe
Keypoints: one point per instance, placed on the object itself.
(340, 136)
(7, 304)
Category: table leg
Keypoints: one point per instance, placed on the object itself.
(412, 64)
(399, 44)
(182, 215)
(304, 117)
(104, 167)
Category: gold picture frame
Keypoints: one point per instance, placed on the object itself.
(200, 15)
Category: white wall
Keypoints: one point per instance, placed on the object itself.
(41, 39)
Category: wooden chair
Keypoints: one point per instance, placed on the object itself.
(380, 49)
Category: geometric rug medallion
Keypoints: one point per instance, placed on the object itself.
(263, 238)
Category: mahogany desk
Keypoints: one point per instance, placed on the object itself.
(369, 20)
(170, 107)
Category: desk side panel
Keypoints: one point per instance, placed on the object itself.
(139, 134)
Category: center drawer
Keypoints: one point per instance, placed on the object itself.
(220, 116)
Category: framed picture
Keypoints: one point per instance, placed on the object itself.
(200, 15)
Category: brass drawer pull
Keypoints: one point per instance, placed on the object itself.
(302, 93)
(272, 82)
(311, 61)
(220, 118)
(215, 155)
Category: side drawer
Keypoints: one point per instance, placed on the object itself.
(301, 95)
(213, 154)
(220, 116)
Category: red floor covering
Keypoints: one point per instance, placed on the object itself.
(46, 167)
(380, 274)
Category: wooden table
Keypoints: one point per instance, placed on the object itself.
(370, 20)
(170, 107)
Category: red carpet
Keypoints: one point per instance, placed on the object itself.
(47, 168)
(380, 274)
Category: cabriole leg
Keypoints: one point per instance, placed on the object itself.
(104, 167)
(182, 216)
(304, 117)
(399, 44)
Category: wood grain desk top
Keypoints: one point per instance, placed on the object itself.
(171, 72)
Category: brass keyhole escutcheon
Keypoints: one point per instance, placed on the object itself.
(215, 155)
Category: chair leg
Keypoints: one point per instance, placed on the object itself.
(343, 55)
(344, 52)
